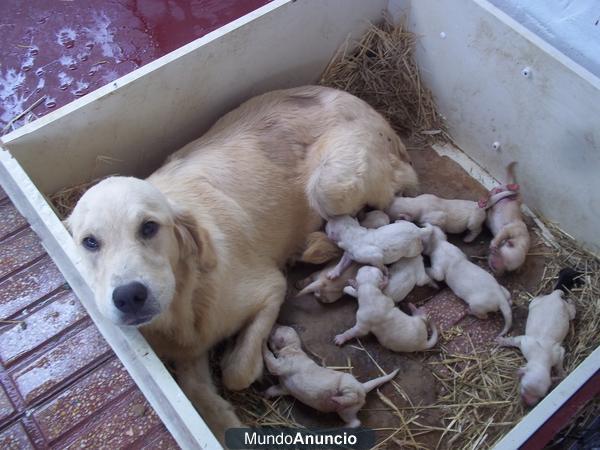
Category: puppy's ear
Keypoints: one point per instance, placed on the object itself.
(194, 241)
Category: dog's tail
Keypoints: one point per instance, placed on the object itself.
(567, 279)
(372, 384)
(506, 311)
(510, 173)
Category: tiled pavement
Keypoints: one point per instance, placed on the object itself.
(61, 386)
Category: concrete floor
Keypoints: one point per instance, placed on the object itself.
(318, 323)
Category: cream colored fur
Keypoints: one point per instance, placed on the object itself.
(326, 390)
(468, 281)
(377, 314)
(452, 216)
(546, 328)
(233, 207)
(511, 242)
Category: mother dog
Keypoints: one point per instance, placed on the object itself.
(194, 254)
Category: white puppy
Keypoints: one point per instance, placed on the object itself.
(377, 314)
(452, 216)
(404, 275)
(546, 328)
(374, 219)
(324, 289)
(329, 291)
(467, 280)
(323, 389)
(384, 245)
(511, 242)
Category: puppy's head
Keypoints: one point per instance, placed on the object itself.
(535, 383)
(131, 240)
(370, 275)
(431, 238)
(282, 336)
(509, 256)
(336, 225)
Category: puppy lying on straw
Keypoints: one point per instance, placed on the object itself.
(452, 216)
(377, 314)
(323, 389)
(471, 283)
(546, 328)
(384, 245)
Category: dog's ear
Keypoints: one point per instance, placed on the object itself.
(195, 241)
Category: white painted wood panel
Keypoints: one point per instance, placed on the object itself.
(472, 56)
(130, 125)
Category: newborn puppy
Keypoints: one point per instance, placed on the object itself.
(324, 289)
(377, 314)
(511, 240)
(323, 389)
(327, 290)
(468, 281)
(452, 216)
(546, 328)
(384, 245)
(374, 219)
(404, 275)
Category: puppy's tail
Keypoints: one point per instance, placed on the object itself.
(567, 279)
(434, 335)
(372, 384)
(510, 173)
(311, 288)
(506, 311)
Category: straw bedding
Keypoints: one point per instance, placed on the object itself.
(478, 401)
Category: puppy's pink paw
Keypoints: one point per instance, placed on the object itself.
(339, 340)
(332, 275)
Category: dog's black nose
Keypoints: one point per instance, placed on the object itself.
(130, 297)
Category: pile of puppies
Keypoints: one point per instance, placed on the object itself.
(382, 262)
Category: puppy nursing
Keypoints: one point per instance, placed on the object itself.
(384, 245)
(377, 314)
(547, 326)
(323, 389)
(452, 216)
(471, 283)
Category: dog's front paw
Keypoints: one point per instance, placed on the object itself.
(240, 371)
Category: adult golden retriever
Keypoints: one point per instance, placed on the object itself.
(194, 254)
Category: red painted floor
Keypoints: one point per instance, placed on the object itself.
(61, 386)
(54, 51)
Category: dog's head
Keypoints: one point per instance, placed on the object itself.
(131, 239)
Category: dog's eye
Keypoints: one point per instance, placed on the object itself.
(148, 229)
(90, 243)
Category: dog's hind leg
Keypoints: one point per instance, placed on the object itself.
(243, 363)
(354, 165)
(196, 381)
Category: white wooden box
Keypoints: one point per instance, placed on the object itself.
(471, 55)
